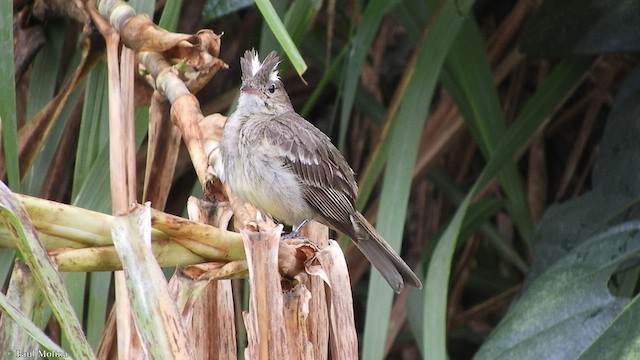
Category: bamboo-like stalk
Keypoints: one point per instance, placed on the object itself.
(267, 335)
(344, 340)
(146, 300)
(318, 319)
(87, 245)
(121, 152)
(162, 152)
(296, 320)
(204, 303)
(195, 62)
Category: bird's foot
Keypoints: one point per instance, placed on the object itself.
(292, 235)
(295, 233)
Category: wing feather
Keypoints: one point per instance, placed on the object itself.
(329, 184)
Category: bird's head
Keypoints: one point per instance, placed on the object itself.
(262, 90)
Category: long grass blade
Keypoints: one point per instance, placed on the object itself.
(404, 137)
(360, 44)
(8, 117)
(55, 351)
(170, 15)
(470, 83)
(93, 129)
(277, 27)
(44, 272)
(24, 293)
(455, 196)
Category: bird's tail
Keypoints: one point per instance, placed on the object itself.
(382, 256)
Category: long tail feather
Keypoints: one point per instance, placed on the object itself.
(382, 256)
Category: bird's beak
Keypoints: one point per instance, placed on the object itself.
(249, 88)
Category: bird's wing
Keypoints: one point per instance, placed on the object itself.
(328, 182)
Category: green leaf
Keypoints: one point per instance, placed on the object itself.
(620, 340)
(297, 19)
(94, 129)
(37, 175)
(583, 27)
(171, 15)
(443, 183)
(214, 9)
(90, 187)
(360, 43)
(20, 318)
(560, 82)
(268, 41)
(94, 194)
(277, 27)
(76, 284)
(45, 75)
(97, 305)
(94, 191)
(6, 263)
(328, 74)
(8, 98)
(569, 305)
(415, 20)
(615, 186)
(468, 79)
(42, 90)
(91, 190)
(404, 138)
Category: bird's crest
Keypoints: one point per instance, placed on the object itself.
(264, 71)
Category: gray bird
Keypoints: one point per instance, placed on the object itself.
(283, 165)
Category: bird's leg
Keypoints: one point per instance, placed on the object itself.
(296, 231)
(300, 226)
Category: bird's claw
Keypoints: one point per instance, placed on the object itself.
(295, 234)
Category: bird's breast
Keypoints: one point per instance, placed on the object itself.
(261, 179)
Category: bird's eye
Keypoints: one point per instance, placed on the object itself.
(272, 88)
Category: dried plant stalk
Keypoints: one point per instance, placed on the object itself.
(162, 153)
(207, 304)
(318, 322)
(344, 340)
(296, 318)
(266, 330)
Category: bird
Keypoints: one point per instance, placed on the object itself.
(277, 161)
